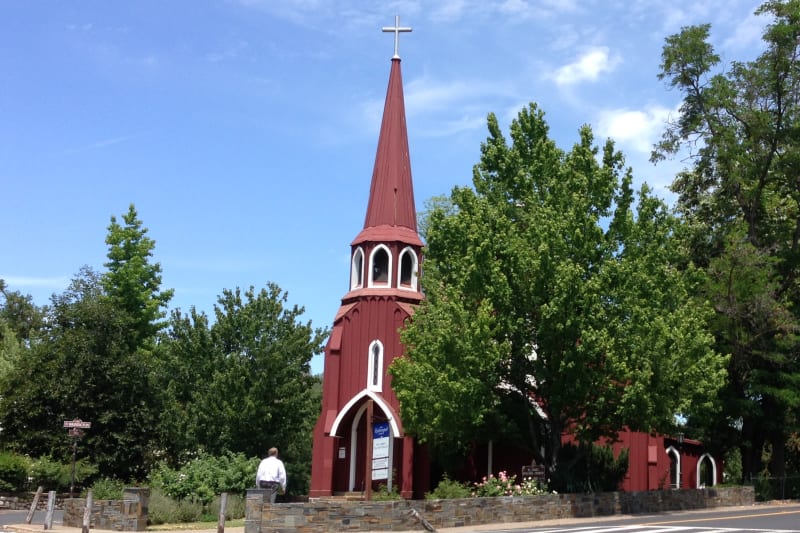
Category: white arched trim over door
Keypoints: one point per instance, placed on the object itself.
(713, 469)
(387, 410)
(671, 451)
(354, 449)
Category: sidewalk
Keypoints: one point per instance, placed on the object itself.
(39, 528)
(57, 528)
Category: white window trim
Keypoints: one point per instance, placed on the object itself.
(414, 262)
(354, 284)
(713, 469)
(388, 283)
(672, 451)
(377, 387)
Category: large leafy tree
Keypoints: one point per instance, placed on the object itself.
(243, 384)
(556, 302)
(81, 367)
(740, 203)
(91, 356)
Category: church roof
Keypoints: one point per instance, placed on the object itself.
(391, 214)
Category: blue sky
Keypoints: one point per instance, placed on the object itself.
(244, 131)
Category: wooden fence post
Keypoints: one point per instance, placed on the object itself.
(51, 505)
(34, 504)
(223, 503)
(87, 513)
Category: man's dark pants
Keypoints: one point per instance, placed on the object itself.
(271, 487)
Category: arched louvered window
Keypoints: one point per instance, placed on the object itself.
(408, 270)
(380, 266)
(357, 270)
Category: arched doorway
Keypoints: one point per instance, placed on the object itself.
(351, 427)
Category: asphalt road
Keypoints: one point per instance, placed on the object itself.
(18, 517)
(773, 518)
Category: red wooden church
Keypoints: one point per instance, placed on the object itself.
(359, 435)
(384, 288)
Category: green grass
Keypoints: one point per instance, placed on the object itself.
(239, 522)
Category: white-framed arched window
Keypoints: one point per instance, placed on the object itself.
(674, 467)
(706, 471)
(375, 366)
(357, 269)
(380, 266)
(407, 273)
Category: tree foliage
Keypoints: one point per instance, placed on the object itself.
(740, 203)
(100, 353)
(244, 384)
(81, 367)
(553, 304)
(133, 282)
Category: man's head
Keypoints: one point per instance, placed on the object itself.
(273, 452)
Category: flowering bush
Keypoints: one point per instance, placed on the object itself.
(504, 485)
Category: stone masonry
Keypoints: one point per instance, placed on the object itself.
(320, 516)
(128, 514)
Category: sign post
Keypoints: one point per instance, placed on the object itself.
(380, 452)
(75, 428)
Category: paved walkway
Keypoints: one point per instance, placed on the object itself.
(57, 528)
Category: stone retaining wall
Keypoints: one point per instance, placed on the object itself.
(22, 502)
(320, 516)
(128, 514)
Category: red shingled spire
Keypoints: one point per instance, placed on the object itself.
(391, 214)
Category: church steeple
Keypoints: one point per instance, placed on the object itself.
(357, 394)
(391, 215)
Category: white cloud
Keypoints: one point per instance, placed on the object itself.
(747, 34)
(635, 129)
(449, 10)
(441, 108)
(587, 67)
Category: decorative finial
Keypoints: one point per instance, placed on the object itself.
(396, 30)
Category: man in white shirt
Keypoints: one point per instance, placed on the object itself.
(271, 475)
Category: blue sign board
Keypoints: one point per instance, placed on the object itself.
(380, 430)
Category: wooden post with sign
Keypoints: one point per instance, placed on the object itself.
(75, 427)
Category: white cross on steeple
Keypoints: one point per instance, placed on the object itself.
(396, 30)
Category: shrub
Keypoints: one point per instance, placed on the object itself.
(502, 485)
(13, 472)
(234, 508)
(589, 468)
(162, 509)
(383, 494)
(107, 489)
(53, 475)
(449, 489)
(206, 476)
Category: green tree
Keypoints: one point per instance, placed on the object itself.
(188, 365)
(243, 384)
(552, 304)
(81, 368)
(21, 321)
(20, 314)
(133, 282)
(740, 204)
